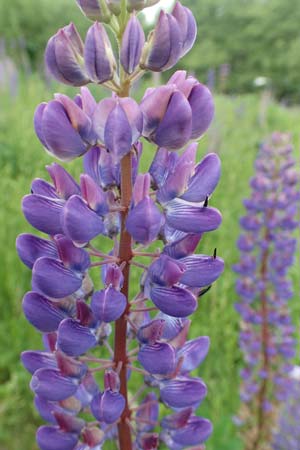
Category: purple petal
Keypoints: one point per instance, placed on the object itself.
(34, 360)
(118, 133)
(101, 113)
(75, 339)
(41, 312)
(43, 213)
(98, 54)
(177, 179)
(173, 326)
(195, 432)
(62, 139)
(108, 407)
(149, 412)
(134, 116)
(166, 271)
(132, 44)
(94, 195)
(108, 305)
(73, 258)
(161, 165)
(30, 248)
(151, 332)
(183, 392)
(154, 106)
(62, 56)
(52, 438)
(177, 420)
(144, 221)
(175, 301)
(69, 423)
(53, 279)
(80, 223)
(46, 409)
(205, 179)
(41, 187)
(203, 109)
(51, 61)
(175, 129)
(50, 384)
(201, 270)
(77, 117)
(38, 120)
(192, 219)
(157, 359)
(193, 353)
(69, 366)
(165, 44)
(187, 25)
(182, 247)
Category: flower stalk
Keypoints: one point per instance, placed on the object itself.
(168, 206)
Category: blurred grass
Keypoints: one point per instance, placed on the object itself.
(240, 125)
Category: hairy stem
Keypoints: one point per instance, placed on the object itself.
(120, 350)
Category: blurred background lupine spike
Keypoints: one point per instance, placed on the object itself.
(116, 351)
(267, 336)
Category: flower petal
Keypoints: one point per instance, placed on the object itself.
(107, 407)
(61, 138)
(34, 360)
(193, 353)
(42, 313)
(157, 359)
(190, 218)
(50, 384)
(206, 177)
(43, 213)
(51, 278)
(52, 438)
(175, 129)
(108, 304)
(79, 222)
(75, 339)
(174, 301)
(183, 392)
(201, 270)
(30, 248)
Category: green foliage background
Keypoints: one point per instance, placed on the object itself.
(257, 38)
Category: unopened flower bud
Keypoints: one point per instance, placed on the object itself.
(138, 5)
(64, 57)
(99, 59)
(95, 10)
(132, 45)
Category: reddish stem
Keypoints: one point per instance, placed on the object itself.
(120, 350)
(262, 420)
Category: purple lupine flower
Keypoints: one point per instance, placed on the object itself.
(64, 128)
(287, 435)
(95, 338)
(99, 59)
(267, 249)
(177, 112)
(64, 57)
(173, 36)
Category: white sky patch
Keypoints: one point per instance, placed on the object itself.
(151, 13)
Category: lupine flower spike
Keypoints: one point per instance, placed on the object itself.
(287, 431)
(267, 249)
(98, 335)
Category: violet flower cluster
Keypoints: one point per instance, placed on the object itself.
(267, 249)
(99, 336)
(287, 432)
